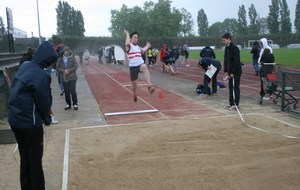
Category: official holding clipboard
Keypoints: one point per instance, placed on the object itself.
(211, 68)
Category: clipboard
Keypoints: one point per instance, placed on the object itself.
(211, 72)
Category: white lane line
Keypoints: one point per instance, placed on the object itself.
(130, 112)
(66, 161)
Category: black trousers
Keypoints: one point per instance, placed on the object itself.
(70, 91)
(234, 87)
(206, 81)
(30, 143)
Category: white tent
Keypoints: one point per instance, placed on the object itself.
(119, 54)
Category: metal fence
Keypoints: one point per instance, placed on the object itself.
(290, 88)
(6, 75)
(3, 95)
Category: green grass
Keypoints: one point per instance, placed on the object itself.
(283, 56)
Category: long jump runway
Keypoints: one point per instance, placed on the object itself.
(112, 90)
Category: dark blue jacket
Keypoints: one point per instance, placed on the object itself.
(205, 62)
(30, 94)
(207, 52)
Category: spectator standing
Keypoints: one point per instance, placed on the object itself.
(255, 55)
(155, 53)
(67, 67)
(86, 56)
(27, 56)
(80, 54)
(264, 44)
(232, 70)
(207, 52)
(136, 62)
(181, 55)
(150, 56)
(28, 109)
(100, 54)
(175, 55)
(186, 54)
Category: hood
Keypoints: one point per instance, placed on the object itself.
(45, 55)
(67, 48)
(264, 42)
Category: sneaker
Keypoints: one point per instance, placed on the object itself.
(187, 65)
(151, 89)
(227, 107)
(75, 107)
(62, 92)
(53, 121)
(266, 98)
(232, 108)
(67, 107)
(135, 98)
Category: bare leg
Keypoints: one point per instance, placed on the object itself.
(145, 70)
(171, 69)
(134, 85)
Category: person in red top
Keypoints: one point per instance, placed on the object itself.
(166, 59)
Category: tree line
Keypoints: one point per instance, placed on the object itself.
(162, 21)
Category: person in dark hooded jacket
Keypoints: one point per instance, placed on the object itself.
(206, 64)
(28, 109)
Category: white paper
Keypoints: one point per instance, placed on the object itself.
(210, 72)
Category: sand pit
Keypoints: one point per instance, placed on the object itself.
(214, 153)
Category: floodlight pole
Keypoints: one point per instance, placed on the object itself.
(38, 17)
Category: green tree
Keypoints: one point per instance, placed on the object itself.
(262, 24)
(165, 21)
(3, 32)
(231, 26)
(216, 29)
(186, 22)
(129, 18)
(155, 20)
(297, 17)
(202, 23)
(286, 26)
(273, 17)
(242, 21)
(253, 26)
(69, 21)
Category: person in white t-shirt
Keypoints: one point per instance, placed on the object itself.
(86, 56)
(136, 62)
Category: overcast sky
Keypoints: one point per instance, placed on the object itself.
(96, 13)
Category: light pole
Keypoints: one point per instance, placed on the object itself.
(38, 17)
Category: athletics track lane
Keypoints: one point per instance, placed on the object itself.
(112, 90)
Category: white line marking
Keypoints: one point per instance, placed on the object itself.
(130, 112)
(298, 127)
(66, 161)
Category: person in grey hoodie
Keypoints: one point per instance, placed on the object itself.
(28, 109)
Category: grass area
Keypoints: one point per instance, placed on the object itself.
(283, 56)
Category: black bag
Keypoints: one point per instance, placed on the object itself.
(199, 89)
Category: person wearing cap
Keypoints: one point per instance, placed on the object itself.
(67, 67)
